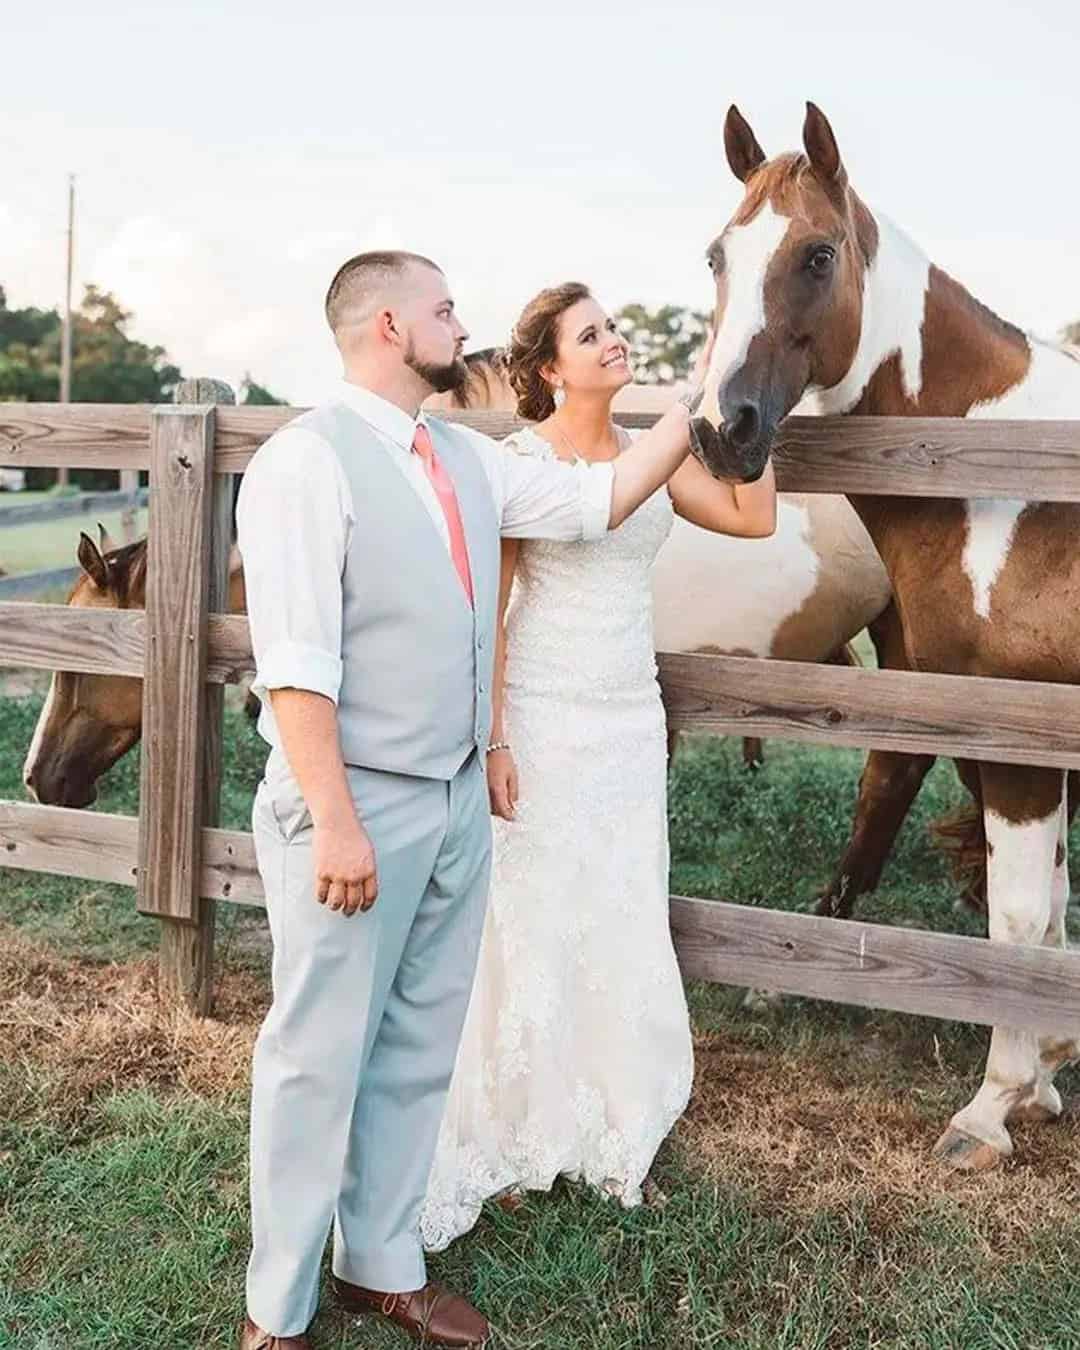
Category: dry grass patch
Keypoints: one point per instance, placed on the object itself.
(99, 1028)
(807, 1141)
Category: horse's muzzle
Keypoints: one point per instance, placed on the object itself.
(724, 458)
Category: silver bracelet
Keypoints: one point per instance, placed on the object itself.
(498, 745)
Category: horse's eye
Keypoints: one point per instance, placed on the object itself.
(819, 264)
(716, 262)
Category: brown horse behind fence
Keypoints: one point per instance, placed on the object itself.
(90, 721)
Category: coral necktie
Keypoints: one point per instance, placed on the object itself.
(444, 490)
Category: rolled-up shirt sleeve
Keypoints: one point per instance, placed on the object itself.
(547, 498)
(293, 520)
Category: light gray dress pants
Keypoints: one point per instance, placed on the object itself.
(353, 1062)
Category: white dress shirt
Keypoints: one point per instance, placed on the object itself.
(295, 519)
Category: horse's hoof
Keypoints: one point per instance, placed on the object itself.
(962, 1152)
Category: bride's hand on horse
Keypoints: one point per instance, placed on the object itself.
(346, 877)
(502, 783)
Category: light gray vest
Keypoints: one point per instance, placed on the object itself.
(416, 690)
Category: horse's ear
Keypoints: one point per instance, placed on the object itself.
(743, 152)
(105, 540)
(92, 563)
(821, 148)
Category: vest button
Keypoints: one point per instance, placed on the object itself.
(481, 689)
(480, 642)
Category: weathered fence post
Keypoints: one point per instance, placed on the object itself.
(129, 482)
(187, 579)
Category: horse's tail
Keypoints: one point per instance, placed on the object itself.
(961, 836)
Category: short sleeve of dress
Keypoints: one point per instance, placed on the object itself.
(529, 444)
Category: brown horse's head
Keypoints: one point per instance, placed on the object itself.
(89, 721)
(789, 270)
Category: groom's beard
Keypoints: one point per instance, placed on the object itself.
(443, 379)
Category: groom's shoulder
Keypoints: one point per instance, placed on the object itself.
(298, 446)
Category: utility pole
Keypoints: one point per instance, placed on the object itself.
(65, 348)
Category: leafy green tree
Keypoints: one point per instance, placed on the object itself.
(108, 365)
(663, 342)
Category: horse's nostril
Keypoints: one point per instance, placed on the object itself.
(743, 427)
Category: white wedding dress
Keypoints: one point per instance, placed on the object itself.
(576, 1057)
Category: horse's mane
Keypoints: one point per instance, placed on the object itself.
(485, 374)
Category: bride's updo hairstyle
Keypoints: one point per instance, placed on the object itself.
(533, 345)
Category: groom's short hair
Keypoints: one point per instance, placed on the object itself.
(360, 284)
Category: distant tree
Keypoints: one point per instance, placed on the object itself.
(663, 342)
(25, 327)
(257, 393)
(108, 365)
(1071, 333)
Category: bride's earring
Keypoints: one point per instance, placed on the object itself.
(559, 395)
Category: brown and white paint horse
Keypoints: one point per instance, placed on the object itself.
(89, 721)
(819, 299)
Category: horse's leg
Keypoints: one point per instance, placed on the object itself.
(753, 752)
(1024, 810)
(889, 784)
(1043, 1102)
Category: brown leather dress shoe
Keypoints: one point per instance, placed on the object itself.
(433, 1314)
(254, 1338)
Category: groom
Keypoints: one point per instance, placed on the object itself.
(370, 540)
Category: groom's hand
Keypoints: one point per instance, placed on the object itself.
(346, 878)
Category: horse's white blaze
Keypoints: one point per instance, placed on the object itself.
(1020, 879)
(712, 590)
(748, 250)
(39, 732)
(991, 525)
(894, 307)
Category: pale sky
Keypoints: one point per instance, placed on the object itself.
(230, 156)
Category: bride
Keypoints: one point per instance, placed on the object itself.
(576, 1058)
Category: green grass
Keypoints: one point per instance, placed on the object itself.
(37, 546)
(130, 1231)
(123, 1218)
(773, 836)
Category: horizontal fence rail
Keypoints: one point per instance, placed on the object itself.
(37, 583)
(964, 716)
(872, 966)
(842, 961)
(83, 504)
(109, 641)
(104, 847)
(905, 456)
(967, 717)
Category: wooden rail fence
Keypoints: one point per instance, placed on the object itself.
(186, 650)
